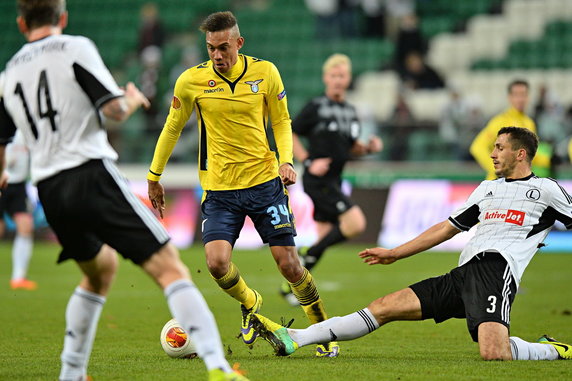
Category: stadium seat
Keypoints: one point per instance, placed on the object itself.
(377, 91)
(427, 104)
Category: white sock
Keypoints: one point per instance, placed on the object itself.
(82, 316)
(338, 328)
(189, 308)
(523, 350)
(21, 254)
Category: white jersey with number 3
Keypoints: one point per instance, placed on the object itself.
(514, 217)
(54, 76)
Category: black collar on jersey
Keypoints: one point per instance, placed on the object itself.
(232, 84)
(334, 101)
(522, 179)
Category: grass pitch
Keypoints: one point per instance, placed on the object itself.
(127, 345)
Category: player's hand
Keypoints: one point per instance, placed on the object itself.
(287, 174)
(132, 92)
(378, 256)
(375, 144)
(320, 166)
(156, 196)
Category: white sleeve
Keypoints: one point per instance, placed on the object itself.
(562, 203)
(467, 215)
(92, 74)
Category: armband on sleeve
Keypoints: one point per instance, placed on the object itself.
(153, 176)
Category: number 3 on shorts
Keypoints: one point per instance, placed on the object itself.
(493, 307)
(273, 212)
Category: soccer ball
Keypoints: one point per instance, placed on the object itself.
(175, 341)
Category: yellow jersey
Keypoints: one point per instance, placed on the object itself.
(233, 110)
(484, 142)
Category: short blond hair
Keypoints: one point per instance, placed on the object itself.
(335, 60)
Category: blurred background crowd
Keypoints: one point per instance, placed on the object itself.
(428, 74)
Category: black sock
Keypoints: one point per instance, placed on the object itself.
(315, 252)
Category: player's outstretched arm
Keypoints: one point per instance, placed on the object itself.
(119, 109)
(431, 237)
(156, 196)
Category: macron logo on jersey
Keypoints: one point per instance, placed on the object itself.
(510, 216)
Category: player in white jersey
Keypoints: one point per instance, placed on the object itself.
(15, 203)
(514, 214)
(58, 93)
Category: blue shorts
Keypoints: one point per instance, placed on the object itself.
(267, 205)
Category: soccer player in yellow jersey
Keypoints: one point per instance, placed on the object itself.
(514, 116)
(234, 96)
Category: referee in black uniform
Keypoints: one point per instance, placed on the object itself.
(331, 127)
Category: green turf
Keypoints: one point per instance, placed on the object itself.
(127, 344)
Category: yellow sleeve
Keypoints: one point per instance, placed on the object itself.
(279, 116)
(179, 113)
(483, 144)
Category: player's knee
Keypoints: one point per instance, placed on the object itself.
(492, 353)
(355, 225)
(390, 308)
(174, 264)
(379, 309)
(291, 269)
(100, 281)
(109, 262)
(166, 266)
(24, 224)
(360, 225)
(218, 267)
(291, 273)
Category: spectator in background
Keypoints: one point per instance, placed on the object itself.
(514, 116)
(402, 122)
(409, 40)
(396, 10)
(324, 12)
(149, 81)
(553, 130)
(190, 56)
(346, 18)
(150, 48)
(374, 14)
(419, 75)
(565, 147)
(461, 120)
(151, 32)
(550, 117)
(186, 148)
(334, 18)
